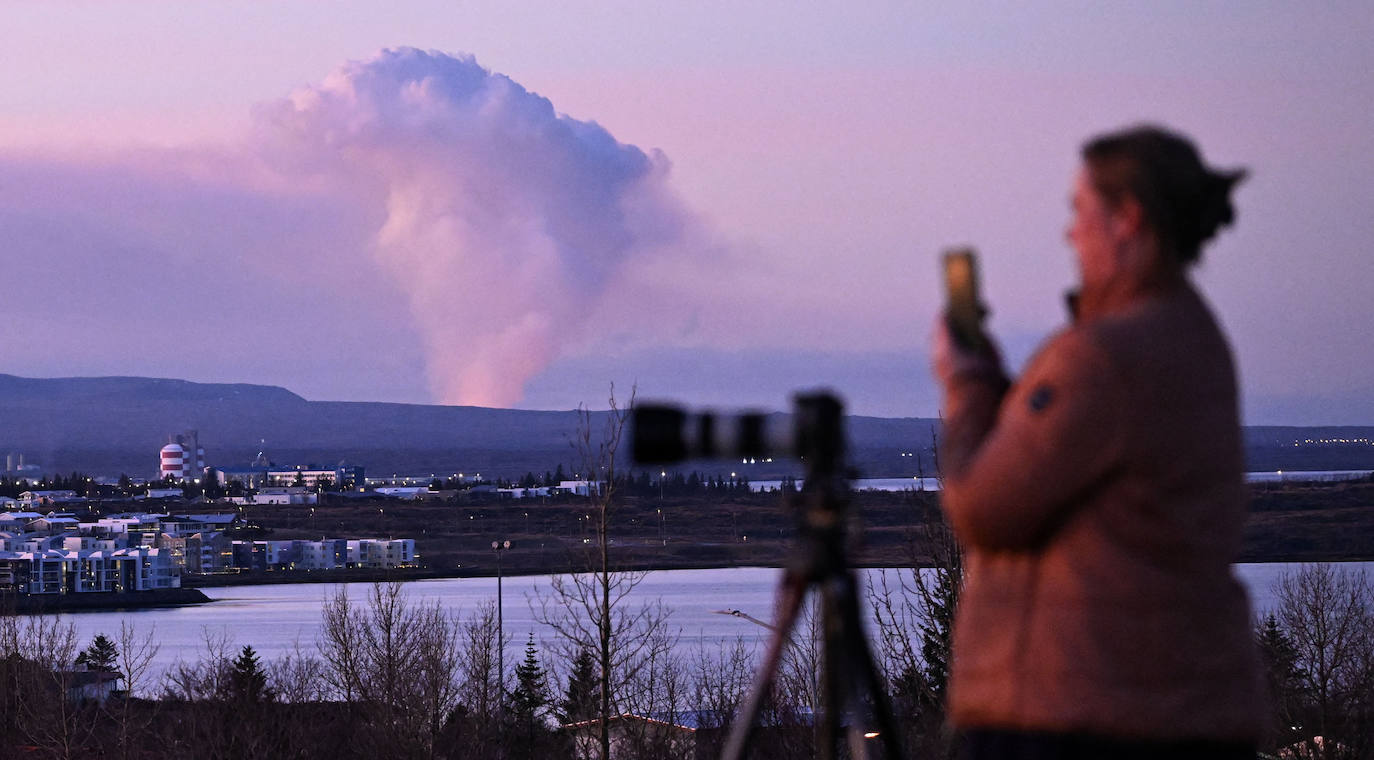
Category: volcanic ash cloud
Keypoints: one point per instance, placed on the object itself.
(505, 222)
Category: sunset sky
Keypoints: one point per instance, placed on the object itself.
(517, 203)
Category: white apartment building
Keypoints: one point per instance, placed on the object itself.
(78, 572)
(371, 552)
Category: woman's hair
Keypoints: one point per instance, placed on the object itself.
(1184, 202)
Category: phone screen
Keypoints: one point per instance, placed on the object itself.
(961, 289)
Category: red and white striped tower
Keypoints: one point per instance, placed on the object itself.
(173, 461)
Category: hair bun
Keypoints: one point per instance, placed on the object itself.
(1215, 209)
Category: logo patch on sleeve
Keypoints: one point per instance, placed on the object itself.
(1040, 398)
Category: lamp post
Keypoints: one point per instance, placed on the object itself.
(498, 547)
(662, 537)
(661, 475)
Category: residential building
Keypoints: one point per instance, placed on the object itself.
(48, 498)
(17, 521)
(77, 572)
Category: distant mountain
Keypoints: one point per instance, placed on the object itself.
(111, 389)
(109, 425)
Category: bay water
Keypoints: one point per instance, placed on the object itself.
(276, 619)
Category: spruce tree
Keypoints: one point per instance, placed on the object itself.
(531, 693)
(528, 703)
(1284, 679)
(580, 700)
(101, 655)
(247, 680)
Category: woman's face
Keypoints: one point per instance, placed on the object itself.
(1091, 232)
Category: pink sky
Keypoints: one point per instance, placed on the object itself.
(824, 158)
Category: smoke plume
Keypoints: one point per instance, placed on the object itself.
(504, 222)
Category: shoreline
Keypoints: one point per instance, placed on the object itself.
(291, 577)
(30, 604)
(190, 594)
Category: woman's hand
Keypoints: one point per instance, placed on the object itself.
(952, 361)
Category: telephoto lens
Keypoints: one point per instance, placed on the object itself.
(667, 434)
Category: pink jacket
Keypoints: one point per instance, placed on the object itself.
(1100, 502)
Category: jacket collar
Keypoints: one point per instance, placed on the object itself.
(1088, 303)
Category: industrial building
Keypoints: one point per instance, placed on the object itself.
(182, 458)
(311, 476)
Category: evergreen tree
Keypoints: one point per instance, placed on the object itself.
(531, 693)
(584, 689)
(209, 484)
(100, 655)
(937, 631)
(247, 682)
(1277, 650)
(1285, 681)
(527, 704)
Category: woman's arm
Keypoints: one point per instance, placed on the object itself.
(1015, 463)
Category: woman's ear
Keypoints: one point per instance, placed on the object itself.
(1127, 219)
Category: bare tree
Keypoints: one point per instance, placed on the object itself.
(483, 685)
(190, 692)
(658, 691)
(203, 678)
(298, 677)
(39, 653)
(720, 681)
(136, 655)
(342, 646)
(396, 662)
(1327, 614)
(591, 610)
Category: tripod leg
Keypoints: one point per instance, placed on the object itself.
(862, 666)
(746, 720)
(838, 684)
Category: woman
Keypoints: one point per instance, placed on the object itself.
(1100, 497)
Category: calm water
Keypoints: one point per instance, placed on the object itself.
(932, 484)
(273, 619)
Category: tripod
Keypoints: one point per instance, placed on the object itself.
(849, 671)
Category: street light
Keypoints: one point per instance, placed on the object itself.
(498, 547)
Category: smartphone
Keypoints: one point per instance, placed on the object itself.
(963, 309)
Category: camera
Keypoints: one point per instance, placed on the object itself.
(669, 433)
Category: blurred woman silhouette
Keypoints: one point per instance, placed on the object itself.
(1099, 498)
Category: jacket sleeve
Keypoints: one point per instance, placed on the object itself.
(1015, 464)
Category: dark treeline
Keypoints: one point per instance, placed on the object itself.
(641, 484)
(81, 483)
(87, 486)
